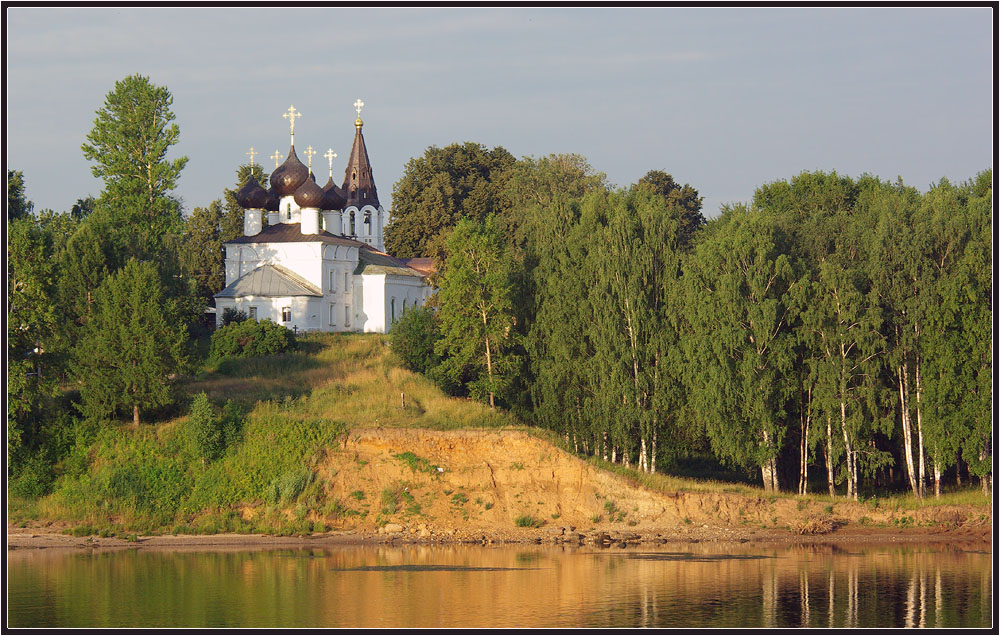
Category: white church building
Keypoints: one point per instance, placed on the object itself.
(318, 264)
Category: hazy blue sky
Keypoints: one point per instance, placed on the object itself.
(724, 99)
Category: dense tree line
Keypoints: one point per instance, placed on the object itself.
(832, 333)
(833, 330)
(104, 299)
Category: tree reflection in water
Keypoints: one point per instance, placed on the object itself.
(675, 586)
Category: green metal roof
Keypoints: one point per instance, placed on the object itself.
(269, 281)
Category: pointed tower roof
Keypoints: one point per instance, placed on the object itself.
(359, 184)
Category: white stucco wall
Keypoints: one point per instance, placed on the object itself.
(304, 310)
(357, 302)
(371, 303)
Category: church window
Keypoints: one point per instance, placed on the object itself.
(392, 310)
(345, 281)
(333, 314)
(253, 313)
(286, 314)
(333, 281)
(404, 305)
(347, 315)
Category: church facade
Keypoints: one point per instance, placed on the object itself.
(318, 264)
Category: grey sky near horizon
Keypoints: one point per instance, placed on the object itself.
(724, 99)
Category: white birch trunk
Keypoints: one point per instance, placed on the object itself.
(804, 450)
(829, 457)
(851, 492)
(652, 454)
(907, 433)
(920, 437)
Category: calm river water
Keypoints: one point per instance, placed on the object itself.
(674, 585)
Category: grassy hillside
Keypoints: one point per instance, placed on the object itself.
(121, 479)
(292, 465)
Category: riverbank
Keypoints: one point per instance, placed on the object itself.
(40, 536)
(396, 485)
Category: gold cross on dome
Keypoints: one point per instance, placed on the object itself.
(309, 153)
(252, 154)
(290, 116)
(277, 156)
(330, 156)
(358, 105)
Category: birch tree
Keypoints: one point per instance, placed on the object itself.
(477, 315)
(742, 355)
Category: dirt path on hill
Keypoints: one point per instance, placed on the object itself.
(388, 485)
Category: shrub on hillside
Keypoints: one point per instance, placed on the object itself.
(33, 477)
(231, 315)
(413, 338)
(251, 338)
(206, 427)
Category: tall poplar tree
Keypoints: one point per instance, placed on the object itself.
(129, 143)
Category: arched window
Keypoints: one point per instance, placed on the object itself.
(392, 310)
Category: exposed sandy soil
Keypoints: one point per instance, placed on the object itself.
(470, 486)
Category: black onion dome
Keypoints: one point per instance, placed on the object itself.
(309, 195)
(258, 196)
(249, 196)
(287, 177)
(334, 199)
(273, 201)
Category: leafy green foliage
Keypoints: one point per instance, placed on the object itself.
(18, 205)
(32, 320)
(413, 338)
(129, 143)
(684, 199)
(527, 521)
(737, 289)
(477, 320)
(82, 208)
(287, 486)
(416, 463)
(206, 427)
(202, 256)
(459, 181)
(231, 315)
(251, 338)
(86, 262)
(33, 478)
